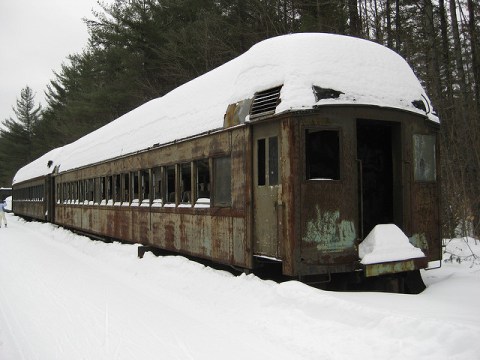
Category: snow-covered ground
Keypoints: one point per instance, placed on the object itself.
(63, 296)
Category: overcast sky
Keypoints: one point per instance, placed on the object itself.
(36, 36)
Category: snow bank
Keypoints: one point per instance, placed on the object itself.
(63, 296)
(386, 242)
(364, 72)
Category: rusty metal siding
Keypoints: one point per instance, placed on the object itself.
(329, 214)
(289, 163)
(424, 223)
(220, 234)
(31, 209)
(326, 210)
(34, 209)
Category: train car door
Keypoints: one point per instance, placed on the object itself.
(379, 153)
(266, 189)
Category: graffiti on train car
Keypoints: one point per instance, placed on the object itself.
(329, 233)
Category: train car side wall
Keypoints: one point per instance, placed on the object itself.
(191, 197)
(30, 198)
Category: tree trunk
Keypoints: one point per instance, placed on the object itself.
(474, 51)
(355, 23)
(458, 52)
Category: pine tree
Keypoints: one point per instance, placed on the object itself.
(17, 135)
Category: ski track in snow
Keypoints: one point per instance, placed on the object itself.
(63, 296)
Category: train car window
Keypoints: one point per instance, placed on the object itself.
(90, 191)
(103, 190)
(171, 184)
(322, 154)
(157, 188)
(117, 186)
(109, 197)
(222, 191)
(261, 162)
(267, 161)
(424, 157)
(81, 196)
(75, 192)
(145, 187)
(186, 183)
(126, 189)
(273, 161)
(97, 191)
(66, 195)
(202, 183)
(59, 194)
(135, 183)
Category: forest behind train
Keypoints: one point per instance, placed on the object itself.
(139, 50)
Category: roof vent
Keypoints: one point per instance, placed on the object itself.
(324, 93)
(419, 104)
(265, 102)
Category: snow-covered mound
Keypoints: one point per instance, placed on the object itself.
(386, 242)
(362, 72)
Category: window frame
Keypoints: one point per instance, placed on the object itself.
(314, 129)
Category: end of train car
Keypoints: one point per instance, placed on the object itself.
(319, 162)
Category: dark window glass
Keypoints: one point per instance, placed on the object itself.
(261, 165)
(116, 188)
(135, 185)
(90, 189)
(126, 188)
(157, 185)
(145, 185)
(273, 161)
(322, 154)
(171, 184)
(186, 183)
(109, 188)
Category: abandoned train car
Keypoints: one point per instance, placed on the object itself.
(292, 152)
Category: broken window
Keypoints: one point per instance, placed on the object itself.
(322, 154)
(424, 158)
(171, 184)
(75, 192)
(202, 183)
(81, 191)
(117, 198)
(89, 190)
(186, 183)
(145, 182)
(109, 190)
(135, 185)
(126, 188)
(98, 186)
(157, 180)
(223, 181)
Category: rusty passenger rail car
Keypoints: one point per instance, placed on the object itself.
(292, 152)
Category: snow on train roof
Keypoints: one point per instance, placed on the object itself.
(364, 72)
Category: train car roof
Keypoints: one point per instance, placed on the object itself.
(344, 69)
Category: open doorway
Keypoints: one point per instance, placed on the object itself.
(379, 155)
